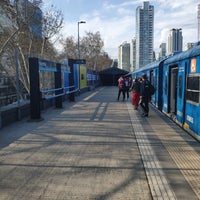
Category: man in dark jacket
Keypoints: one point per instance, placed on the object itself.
(144, 95)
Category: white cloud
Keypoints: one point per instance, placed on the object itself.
(179, 14)
(116, 22)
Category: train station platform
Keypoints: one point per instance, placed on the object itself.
(97, 148)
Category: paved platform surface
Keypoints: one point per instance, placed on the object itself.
(98, 148)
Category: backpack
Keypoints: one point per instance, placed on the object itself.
(149, 88)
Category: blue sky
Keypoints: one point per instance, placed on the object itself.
(115, 19)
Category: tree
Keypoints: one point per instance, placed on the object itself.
(15, 38)
(24, 35)
(91, 49)
(91, 44)
(69, 48)
(52, 24)
(18, 19)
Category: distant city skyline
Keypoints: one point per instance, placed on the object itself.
(115, 20)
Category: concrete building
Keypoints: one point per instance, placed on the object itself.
(144, 34)
(175, 41)
(189, 45)
(133, 54)
(162, 50)
(124, 56)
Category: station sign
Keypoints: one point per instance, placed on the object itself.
(80, 61)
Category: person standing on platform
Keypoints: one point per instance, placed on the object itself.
(121, 88)
(127, 86)
(135, 89)
(144, 96)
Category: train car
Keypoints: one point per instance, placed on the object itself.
(181, 89)
(177, 82)
(154, 74)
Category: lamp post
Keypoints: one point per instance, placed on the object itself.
(80, 22)
(79, 55)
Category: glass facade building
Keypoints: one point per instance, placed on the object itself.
(144, 34)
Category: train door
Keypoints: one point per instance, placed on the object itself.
(156, 87)
(165, 88)
(181, 93)
(152, 81)
(173, 90)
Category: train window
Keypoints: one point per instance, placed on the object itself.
(193, 89)
(180, 86)
(192, 96)
(193, 83)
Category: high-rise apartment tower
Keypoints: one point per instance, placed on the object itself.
(124, 56)
(175, 41)
(162, 50)
(133, 56)
(144, 34)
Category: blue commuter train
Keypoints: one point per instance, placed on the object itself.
(177, 82)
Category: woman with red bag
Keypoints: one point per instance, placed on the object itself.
(135, 89)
